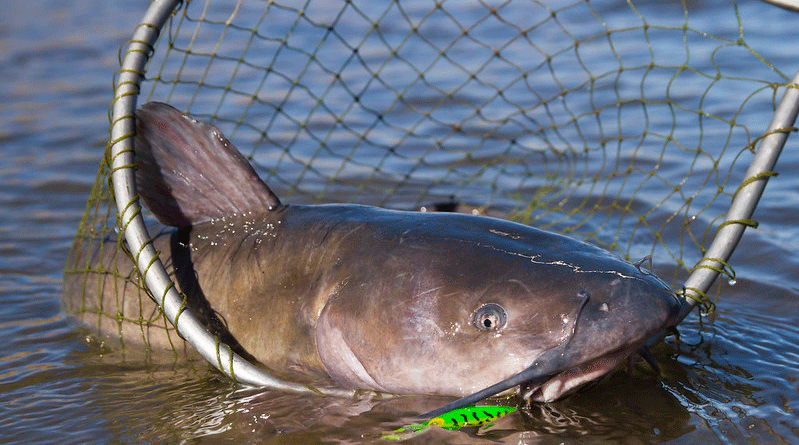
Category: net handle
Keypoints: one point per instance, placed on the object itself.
(744, 201)
(791, 5)
(131, 222)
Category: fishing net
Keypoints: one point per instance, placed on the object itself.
(573, 116)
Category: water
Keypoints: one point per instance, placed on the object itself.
(731, 378)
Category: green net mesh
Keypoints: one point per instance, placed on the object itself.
(573, 116)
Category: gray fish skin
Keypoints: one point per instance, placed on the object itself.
(379, 299)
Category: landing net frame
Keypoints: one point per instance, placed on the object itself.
(131, 222)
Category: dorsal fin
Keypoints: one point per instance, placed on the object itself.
(188, 172)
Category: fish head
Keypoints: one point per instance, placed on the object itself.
(456, 317)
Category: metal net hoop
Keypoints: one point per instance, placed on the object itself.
(725, 230)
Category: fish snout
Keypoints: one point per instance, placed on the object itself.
(625, 312)
(613, 320)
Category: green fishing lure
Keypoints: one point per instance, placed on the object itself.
(470, 416)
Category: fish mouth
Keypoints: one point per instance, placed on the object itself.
(535, 376)
(545, 383)
(562, 383)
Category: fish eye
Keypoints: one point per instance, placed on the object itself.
(490, 317)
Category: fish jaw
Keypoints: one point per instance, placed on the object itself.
(570, 380)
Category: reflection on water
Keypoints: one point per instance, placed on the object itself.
(731, 378)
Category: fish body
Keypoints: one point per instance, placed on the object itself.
(363, 297)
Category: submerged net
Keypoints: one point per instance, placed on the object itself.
(628, 125)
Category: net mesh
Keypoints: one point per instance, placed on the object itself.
(628, 125)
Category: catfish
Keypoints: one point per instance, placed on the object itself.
(362, 297)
